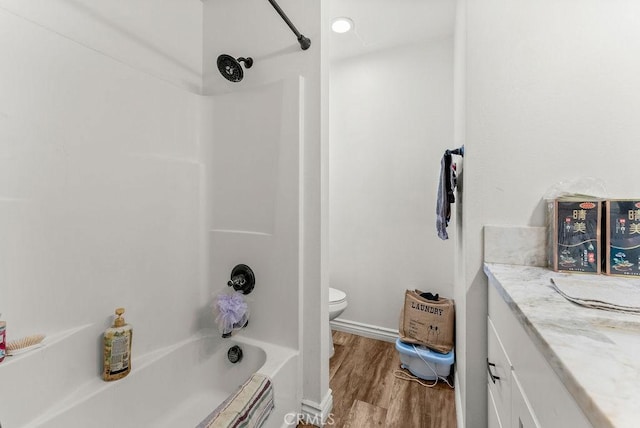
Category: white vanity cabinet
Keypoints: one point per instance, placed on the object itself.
(524, 391)
(499, 379)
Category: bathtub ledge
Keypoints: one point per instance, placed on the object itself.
(96, 385)
(49, 341)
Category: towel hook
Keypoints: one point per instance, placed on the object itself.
(459, 151)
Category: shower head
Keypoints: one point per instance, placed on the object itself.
(230, 67)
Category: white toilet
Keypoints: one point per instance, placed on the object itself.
(337, 305)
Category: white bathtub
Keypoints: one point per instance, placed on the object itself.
(179, 386)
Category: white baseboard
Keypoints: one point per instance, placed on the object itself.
(366, 330)
(459, 412)
(318, 414)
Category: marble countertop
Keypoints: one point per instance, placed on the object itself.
(595, 353)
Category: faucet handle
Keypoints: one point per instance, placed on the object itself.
(237, 281)
(242, 279)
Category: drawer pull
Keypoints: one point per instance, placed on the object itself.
(491, 375)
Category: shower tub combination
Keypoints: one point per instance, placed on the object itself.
(179, 386)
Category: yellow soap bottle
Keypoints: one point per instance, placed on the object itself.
(117, 349)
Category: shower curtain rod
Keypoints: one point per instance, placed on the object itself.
(304, 41)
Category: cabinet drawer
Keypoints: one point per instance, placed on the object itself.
(499, 375)
(493, 417)
(522, 415)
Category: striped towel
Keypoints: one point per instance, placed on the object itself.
(248, 407)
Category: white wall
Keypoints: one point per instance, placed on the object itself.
(459, 136)
(99, 195)
(391, 120)
(552, 93)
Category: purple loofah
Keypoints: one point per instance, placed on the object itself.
(232, 310)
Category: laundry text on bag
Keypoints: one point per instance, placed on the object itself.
(426, 308)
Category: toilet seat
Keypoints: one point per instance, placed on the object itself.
(336, 296)
(337, 305)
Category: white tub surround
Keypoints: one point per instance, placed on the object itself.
(266, 182)
(593, 352)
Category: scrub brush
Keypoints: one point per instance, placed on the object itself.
(24, 344)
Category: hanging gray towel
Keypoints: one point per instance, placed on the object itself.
(446, 195)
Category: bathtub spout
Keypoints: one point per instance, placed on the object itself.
(227, 335)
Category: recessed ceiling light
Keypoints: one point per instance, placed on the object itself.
(341, 25)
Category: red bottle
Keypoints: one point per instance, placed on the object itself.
(3, 341)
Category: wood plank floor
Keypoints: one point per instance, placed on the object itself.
(367, 394)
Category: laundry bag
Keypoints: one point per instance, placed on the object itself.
(428, 322)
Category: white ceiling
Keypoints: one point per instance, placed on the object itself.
(383, 24)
